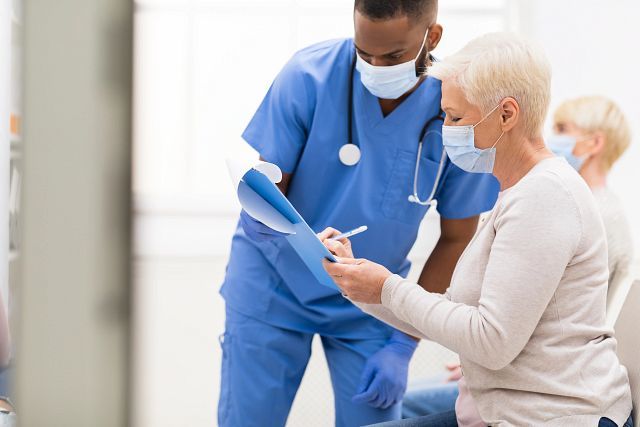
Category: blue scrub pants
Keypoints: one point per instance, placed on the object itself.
(262, 366)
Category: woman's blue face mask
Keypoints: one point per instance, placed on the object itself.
(563, 145)
(459, 142)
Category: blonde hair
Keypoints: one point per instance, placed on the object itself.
(598, 114)
(499, 65)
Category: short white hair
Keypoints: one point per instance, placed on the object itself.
(500, 65)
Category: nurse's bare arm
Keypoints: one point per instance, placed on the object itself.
(284, 184)
(455, 235)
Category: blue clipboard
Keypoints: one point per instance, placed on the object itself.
(264, 201)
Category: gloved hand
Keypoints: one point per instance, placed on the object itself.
(384, 379)
(256, 230)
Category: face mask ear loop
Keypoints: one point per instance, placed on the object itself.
(424, 40)
(485, 117)
(498, 140)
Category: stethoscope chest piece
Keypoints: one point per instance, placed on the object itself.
(349, 154)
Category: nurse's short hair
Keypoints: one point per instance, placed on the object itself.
(387, 9)
(598, 114)
(499, 65)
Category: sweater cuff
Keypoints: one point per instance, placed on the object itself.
(388, 288)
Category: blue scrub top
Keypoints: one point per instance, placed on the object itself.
(300, 126)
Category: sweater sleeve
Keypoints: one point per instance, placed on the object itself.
(384, 314)
(537, 231)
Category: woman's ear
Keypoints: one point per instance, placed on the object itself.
(597, 143)
(509, 113)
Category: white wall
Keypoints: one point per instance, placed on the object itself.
(593, 48)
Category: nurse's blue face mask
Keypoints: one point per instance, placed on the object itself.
(563, 145)
(393, 81)
(459, 142)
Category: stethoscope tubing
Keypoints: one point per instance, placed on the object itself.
(414, 198)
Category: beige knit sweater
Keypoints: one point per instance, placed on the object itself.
(619, 241)
(526, 308)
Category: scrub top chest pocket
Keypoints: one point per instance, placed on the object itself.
(395, 202)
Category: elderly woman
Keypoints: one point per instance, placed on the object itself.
(525, 309)
(592, 132)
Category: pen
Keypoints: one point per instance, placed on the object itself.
(353, 232)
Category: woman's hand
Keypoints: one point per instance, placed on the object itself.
(340, 248)
(455, 372)
(359, 280)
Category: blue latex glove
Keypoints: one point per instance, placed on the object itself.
(256, 230)
(384, 379)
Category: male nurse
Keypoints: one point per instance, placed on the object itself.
(376, 86)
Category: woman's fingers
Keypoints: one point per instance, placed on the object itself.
(455, 374)
(341, 273)
(343, 268)
(452, 366)
(327, 233)
(358, 279)
(338, 249)
(336, 269)
(335, 247)
(345, 241)
(348, 260)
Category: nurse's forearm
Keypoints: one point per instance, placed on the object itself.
(454, 238)
(437, 271)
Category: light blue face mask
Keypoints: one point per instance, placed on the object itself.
(563, 145)
(459, 143)
(389, 82)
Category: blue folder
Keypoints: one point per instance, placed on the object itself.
(264, 201)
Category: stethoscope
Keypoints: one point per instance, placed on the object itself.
(350, 154)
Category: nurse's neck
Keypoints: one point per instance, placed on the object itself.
(388, 105)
